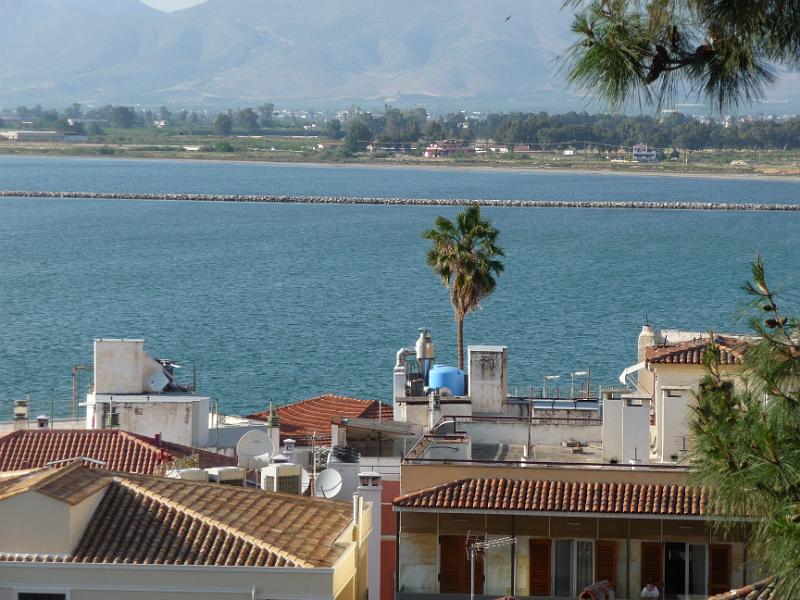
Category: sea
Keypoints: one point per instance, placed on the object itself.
(280, 302)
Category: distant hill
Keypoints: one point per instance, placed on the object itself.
(235, 52)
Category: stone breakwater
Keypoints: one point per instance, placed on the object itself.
(604, 204)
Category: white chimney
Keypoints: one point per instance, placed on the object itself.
(371, 490)
(647, 337)
(644, 378)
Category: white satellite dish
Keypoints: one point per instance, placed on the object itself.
(254, 449)
(305, 481)
(328, 484)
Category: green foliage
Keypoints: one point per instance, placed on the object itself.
(333, 129)
(224, 146)
(94, 129)
(466, 257)
(123, 117)
(223, 124)
(265, 114)
(747, 440)
(647, 51)
(358, 136)
(247, 120)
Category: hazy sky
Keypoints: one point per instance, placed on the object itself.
(172, 4)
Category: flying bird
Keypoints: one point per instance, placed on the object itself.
(508, 18)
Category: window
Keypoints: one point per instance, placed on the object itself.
(573, 567)
(42, 596)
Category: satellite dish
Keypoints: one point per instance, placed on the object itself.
(305, 481)
(328, 484)
(254, 449)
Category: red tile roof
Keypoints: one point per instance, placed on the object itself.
(143, 519)
(300, 420)
(120, 450)
(729, 352)
(558, 496)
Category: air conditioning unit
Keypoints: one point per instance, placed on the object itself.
(226, 475)
(285, 478)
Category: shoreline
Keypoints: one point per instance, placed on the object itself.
(633, 171)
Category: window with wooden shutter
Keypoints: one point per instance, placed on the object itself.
(606, 562)
(719, 569)
(454, 566)
(653, 563)
(540, 568)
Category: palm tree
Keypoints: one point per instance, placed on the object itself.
(465, 255)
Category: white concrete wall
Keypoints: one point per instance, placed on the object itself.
(139, 582)
(179, 419)
(635, 431)
(372, 498)
(612, 429)
(418, 413)
(32, 523)
(499, 432)
(487, 378)
(123, 367)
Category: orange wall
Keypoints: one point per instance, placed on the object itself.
(391, 490)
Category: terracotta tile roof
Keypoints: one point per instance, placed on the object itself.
(152, 520)
(762, 590)
(71, 484)
(559, 496)
(300, 420)
(120, 450)
(729, 352)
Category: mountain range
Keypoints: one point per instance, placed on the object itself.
(294, 52)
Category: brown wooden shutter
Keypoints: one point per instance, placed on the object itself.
(606, 563)
(719, 569)
(653, 563)
(454, 566)
(540, 568)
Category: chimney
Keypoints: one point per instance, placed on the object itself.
(371, 490)
(647, 338)
(644, 378)
(157, 438)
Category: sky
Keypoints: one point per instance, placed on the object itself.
(170, 5)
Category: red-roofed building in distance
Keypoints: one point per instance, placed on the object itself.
(310, 420)
(110, 449)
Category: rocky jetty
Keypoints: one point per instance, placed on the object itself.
(604, 204)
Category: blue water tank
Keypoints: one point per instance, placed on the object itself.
(449, 377)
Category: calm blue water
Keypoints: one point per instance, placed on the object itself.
(287, 301)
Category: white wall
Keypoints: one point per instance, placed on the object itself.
(612, 429)
(123, 367)
(635, 431)
(33, 523)
(498, 432)
(487, 378)
(179, 419)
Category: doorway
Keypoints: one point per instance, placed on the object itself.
(674, 570)
(685, 569)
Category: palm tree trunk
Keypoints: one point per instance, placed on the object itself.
(460, 341)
